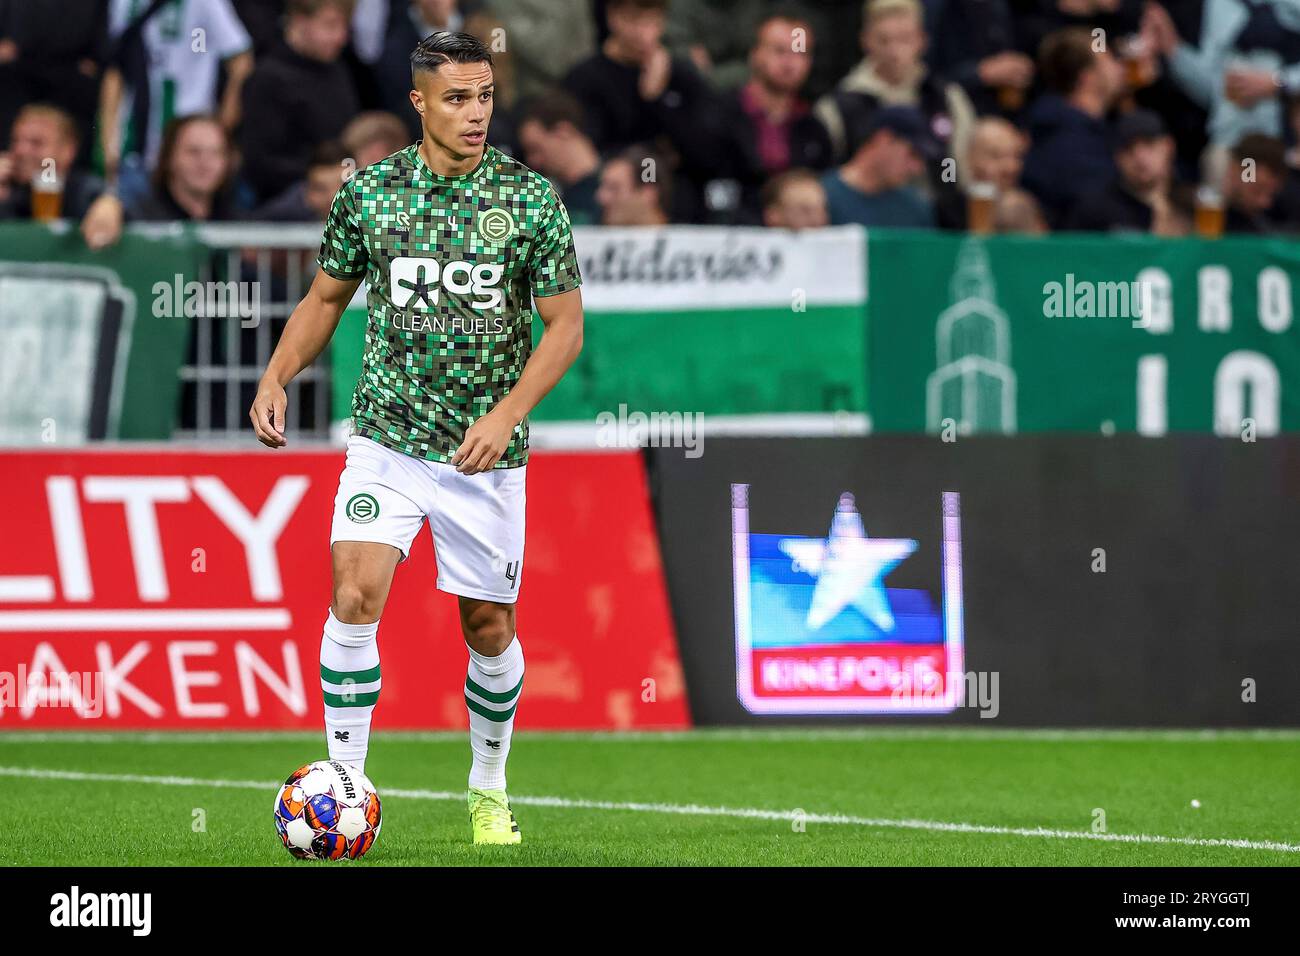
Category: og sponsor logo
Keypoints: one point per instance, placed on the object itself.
(417, 281)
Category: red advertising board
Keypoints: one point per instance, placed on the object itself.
(177, 589)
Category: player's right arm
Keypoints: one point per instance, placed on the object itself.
(306, 334)
(342, 261)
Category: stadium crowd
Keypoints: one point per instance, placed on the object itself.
(1021, 116)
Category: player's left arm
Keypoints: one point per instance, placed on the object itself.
(487, 439)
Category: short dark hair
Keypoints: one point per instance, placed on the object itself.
(329, 153)
(309, 8)
(638, 4)
(552, 108)
(1063, 57)
(662, 183)
(447, 47)
(1266, 151)
(789, 14)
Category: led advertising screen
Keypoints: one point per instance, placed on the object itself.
(1040, 581)
(824, 623)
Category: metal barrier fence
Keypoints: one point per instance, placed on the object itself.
(274, 264)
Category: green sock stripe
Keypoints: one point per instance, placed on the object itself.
(351, 700)
(356, 677)
(496, 716)
(497, 697)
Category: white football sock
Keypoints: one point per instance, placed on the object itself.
(349, 680)
(492, 690)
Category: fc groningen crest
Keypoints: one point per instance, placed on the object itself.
(496, 225)
(362, 508)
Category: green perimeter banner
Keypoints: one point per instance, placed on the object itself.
(1126, 334)
(698, 319)
(84, 353)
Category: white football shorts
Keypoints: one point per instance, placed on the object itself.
(477, 521)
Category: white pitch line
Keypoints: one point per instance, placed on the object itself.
(689, 809)
(695, 735)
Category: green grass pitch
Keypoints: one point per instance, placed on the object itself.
(735, 797)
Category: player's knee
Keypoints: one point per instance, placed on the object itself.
(489, 628)
(354, 604)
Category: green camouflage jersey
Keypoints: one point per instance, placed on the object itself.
(451, 264)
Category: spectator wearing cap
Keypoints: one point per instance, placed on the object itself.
(1252, 186)
(893, 73)
(1144, 196)
(554, 143)
(1070, 154)
(769, 126)
(873, 187)
(300, 94)
(794, 200)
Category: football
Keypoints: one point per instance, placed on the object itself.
(327, 810)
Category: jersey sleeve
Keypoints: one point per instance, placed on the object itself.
(119, 15)
(342, 249)
(552, 261)
(226, 34)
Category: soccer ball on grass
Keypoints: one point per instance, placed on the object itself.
(327, 810)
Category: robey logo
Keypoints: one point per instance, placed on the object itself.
(416, 282)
